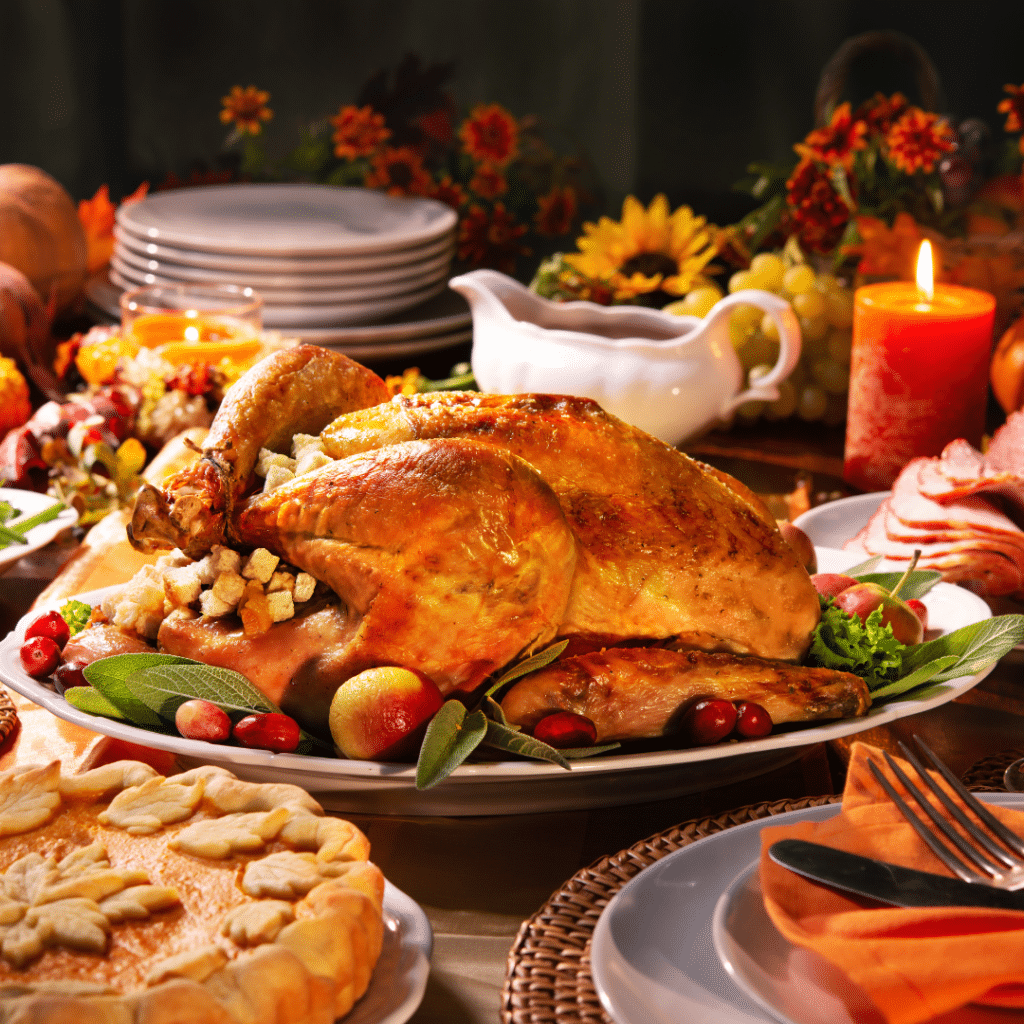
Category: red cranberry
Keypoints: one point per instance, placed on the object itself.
(709, 721)
(752, 720)
(69, 674)
(39, 656)
(52, 625)
(269, 732)
(565, 729)
(919, 609)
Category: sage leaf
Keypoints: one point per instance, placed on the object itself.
(164, 688)
(451, 737)
(504, 737)
(110, 676)
(918, 582)
(540, 660)
(861, 568)
(904, 684)
(578, 753)
(492, 709)
(975, 646)
(92, 702)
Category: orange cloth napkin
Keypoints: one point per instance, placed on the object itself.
(913, 963)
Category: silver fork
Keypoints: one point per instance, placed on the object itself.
(996, 855)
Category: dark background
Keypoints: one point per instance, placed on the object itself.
(659, 96)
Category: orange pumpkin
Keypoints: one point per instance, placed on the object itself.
(40, 233)
(1007, 370)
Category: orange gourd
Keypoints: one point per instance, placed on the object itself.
(1006, 373)
(15, 407)
(40, 233)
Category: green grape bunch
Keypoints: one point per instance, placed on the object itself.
(816, 390)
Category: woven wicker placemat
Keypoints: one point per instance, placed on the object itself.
(548, 978)
(8, 715)
(987, 775)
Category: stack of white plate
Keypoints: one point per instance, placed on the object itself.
(352, 268)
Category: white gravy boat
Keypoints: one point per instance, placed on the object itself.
(673, 376)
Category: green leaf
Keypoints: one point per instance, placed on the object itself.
(110, 676)
(918, 582)
(976, 646)
(578, 753)
(868, 650)
(163, 688)
(76, 615)
(904, 684)
(764, 220)
(46, 515)
(504, 737)
(540, 660)
(92, 702)
(451, 737)
(863, 567)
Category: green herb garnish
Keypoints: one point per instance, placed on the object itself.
(14, 533)
(76, 614)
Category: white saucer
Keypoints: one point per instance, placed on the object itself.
(296, 220)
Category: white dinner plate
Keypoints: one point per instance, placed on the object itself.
(31, 502)
(298, 220)
(282, 317)
(260, 264)
(793, 984)
(520, 787)
(396, 349)
(400, 978)
(831, 525)
(304, 282)
(653, 954)
(313, 296)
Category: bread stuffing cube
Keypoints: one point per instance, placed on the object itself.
(220, 559)
(310, 461)
(182, 585)
(276, 476)
(304, 587)
(229, 588)
(173, 559)
(211, 605)
(260, 565)
(269, 459)
(302, 444)
(281, 581)
(280, 605)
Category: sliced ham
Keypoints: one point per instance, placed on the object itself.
(1006, 452)
(1012, 544)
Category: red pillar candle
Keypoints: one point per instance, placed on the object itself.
(918, 376)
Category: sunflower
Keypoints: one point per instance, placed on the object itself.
(917, 141)
(358, 131)
(247, 108)
(490, 134)
(647, 251)
(838, 141)
(400, 172)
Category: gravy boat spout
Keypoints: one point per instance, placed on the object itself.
(672, 376)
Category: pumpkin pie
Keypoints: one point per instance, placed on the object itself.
(127, 896)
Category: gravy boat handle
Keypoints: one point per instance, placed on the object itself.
(765, 390)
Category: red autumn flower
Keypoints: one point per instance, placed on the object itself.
(491, 239)
(358, 131)
(1013, 108)
(400, 172)
(917, 141)
(556, 211)
(488, 182)
(837, 142)
(818, 212)
(450, 192)
(880, 112)
(247, 108)
(437, 125)
(490, 134)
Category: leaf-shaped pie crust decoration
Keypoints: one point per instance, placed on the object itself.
(218, 838)
(138, 901)
(195, 964)
(282, 876)
(28, 798)
(330, 838)
(253, 923)
(142, 810)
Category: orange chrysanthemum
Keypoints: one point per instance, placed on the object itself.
(818, 212)
(887, 252)
(490, 134)
(838, 141)
(1013, 108)
(880, 112)
(491, 239)
(400, 172)
(358, 131)
(488, 182)
(247, 108)
(450, 192)
(97, 219)
(556, 211)
(918, 140)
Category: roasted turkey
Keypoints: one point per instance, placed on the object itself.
(460, 531)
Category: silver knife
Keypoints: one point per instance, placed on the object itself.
(887, 883)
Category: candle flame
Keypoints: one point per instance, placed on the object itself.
(925, 273)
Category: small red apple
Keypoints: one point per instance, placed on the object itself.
(381, 713)
(801, 544)
(830, 584)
